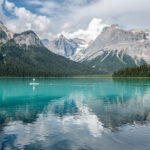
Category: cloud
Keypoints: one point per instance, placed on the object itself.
(115, 11)
(2, 16)
(72, 16)
(68, 126)
(9, 6)
(68, 25)
(94, 29)
(25, 20)
(77, 14)
(61, 12)
(35, 2)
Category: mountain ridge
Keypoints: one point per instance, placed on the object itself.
(5, 34)
(122, 44)
(25, 55)
(69, 48)
(113, 49)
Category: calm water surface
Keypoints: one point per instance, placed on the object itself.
(75, 114)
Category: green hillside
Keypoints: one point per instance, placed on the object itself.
(111, 62)
(25, 60)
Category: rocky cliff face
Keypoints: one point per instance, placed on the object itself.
(27, 38)
(113, 41)
(5, 34)
(66, 47)
(63, 46)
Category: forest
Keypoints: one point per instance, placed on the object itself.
(33, 61)
(141, 71)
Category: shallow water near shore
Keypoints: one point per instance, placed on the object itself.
(75, 114)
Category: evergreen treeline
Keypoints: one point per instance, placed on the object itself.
(32, 61)
(18, 71)
(142, 71)
(15, 71)
(7, 70)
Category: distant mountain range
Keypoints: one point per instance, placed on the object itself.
(113, 49)
(25, 55)
(70, 48)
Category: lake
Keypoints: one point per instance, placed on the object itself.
(75, 114)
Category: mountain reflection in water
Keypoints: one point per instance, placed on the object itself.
(75, 114)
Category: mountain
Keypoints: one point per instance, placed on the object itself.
(70, 48)
(73, 45)
(5, 34)
(63, 46)
(45, 41)
(27, 38)
(116, 48)
(25, 55)
(112, 50)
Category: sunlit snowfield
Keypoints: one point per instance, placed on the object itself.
(75, 114)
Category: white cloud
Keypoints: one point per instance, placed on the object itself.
(126, 13)
(9, 6)
(35, 2)
(68, 25)
(46, 125)
(122, 12)
(72, 15)
(2, 16)
(94, 29)
(25, 20)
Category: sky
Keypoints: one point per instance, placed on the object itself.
(49, 18)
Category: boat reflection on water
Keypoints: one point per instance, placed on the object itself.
(62, 114)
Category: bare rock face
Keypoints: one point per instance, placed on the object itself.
(114, 41)
(27, 38)
(65, 47)
(5, 34)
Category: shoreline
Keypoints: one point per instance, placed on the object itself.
(79, 77)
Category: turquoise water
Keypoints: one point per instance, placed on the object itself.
(75, 114)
